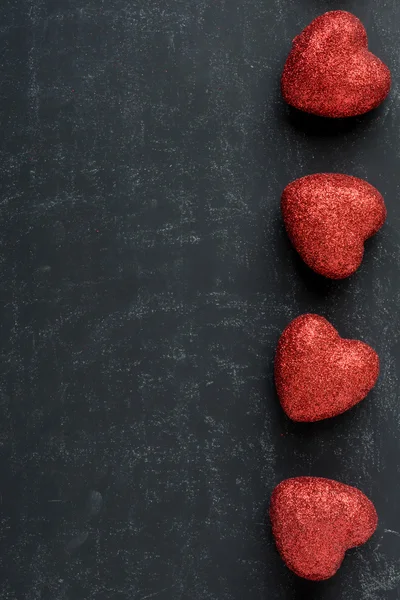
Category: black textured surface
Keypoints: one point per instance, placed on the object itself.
(145, 279)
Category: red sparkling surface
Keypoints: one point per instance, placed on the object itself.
(330, 72)
(328, 217)
(318, 374)
(315, 520)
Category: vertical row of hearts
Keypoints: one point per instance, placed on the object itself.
(328, 217)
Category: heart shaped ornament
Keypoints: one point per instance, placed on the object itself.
(328, 217)
(330, 71)
(318, 374)
(315, 520)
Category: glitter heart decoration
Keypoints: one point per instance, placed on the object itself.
(318, 374)
(316, 520)
(328, 217)
(330, 72)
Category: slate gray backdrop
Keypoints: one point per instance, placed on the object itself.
(145, 279)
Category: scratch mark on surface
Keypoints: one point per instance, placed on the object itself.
(392, 531)
(157, 593)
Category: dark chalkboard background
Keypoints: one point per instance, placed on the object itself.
(145, 280)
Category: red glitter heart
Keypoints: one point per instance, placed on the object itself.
(318, 374)
(328, 217)
(330, 72)
(315, 520)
